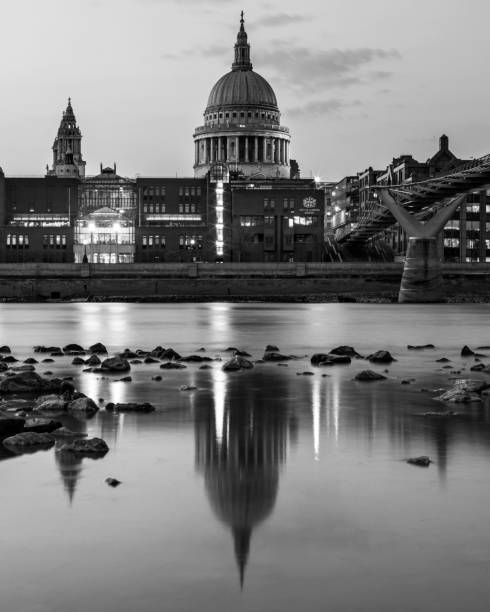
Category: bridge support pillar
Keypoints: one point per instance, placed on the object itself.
(422, 273)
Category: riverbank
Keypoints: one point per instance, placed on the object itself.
(386, 298)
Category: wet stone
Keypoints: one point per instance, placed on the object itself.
(89, 446)
(28, 441)
(369, 375)
(421, 461)
(171, 365)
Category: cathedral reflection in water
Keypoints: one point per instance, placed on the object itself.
(242, 440)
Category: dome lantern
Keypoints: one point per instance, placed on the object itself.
(242, 49)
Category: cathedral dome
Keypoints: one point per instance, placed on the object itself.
(242, 88)
(242, 123)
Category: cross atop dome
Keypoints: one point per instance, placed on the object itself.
(242, 49)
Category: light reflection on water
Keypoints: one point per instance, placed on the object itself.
(261, 490)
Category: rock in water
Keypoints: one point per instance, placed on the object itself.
(237, 363)
(422, 461)
(381, 357)
(98, 347)
(5, 349)
(90, 446)
(50, 403)
(271, 348)
(466, 351)
(112, 482)
(83, 404)
(93, 361)
(115, 364)
(78, 361)
(171, 365)
(420, 347)
(459, 396)
(187, 388)
(29, 442)
(24, 368)
(72, 347)
(145, 407)
(349, 351)
(327, 359)
(151, 360)
(28, 382)
(10, 425)
(40, 425)
(470, 384)
(369, 375)
(276, 357)
(170, 354)
(9, 359)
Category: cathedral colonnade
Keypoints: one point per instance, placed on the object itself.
(241, 148)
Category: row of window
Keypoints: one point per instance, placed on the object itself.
(241, 115)
(153, 242)
(255, 220)
(54, 241)
(453, 243)
(160, 242)
(189, 192)
(154, 190)
(17, 241)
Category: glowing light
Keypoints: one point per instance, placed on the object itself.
(219, 219)
(219, 388)
(316, 414)
(91, 226)
(317, 179)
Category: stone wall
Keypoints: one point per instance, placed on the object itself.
(207, 281)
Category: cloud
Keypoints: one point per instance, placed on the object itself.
(380, 74)
(318, 108)
(279, 19)
(299, 68)
(303, 68)
(211, 51)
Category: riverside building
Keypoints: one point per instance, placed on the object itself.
(241, 205)
(465, 238)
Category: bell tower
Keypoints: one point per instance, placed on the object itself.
(67, 147)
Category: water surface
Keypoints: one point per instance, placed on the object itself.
(261, 490)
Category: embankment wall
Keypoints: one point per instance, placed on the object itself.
(207, 281)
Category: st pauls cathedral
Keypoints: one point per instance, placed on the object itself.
(246, 202)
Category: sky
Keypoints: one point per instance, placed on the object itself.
(358, 82)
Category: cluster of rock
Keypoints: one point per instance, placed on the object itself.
(465, 391)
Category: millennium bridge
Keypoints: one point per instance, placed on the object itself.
(422, 209)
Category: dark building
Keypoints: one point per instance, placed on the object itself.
(465, 238)
(277, 221)
(263, 213)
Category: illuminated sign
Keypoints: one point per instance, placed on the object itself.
(309, 202)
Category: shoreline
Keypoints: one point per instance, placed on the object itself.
(328, 298)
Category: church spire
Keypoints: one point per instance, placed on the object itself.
(242, 49)
(67, 147)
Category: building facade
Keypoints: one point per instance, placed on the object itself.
(465, 238)
(241, 204)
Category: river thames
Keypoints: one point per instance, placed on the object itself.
(260, 490)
